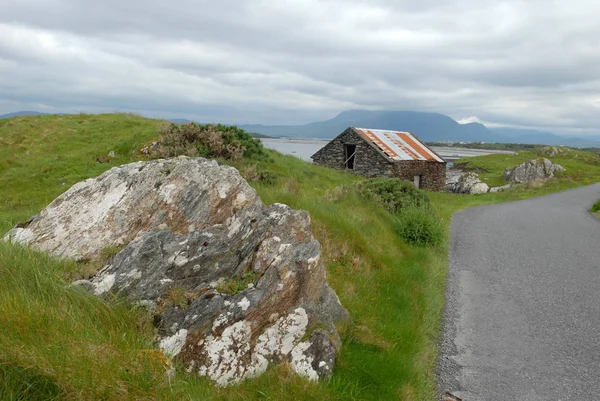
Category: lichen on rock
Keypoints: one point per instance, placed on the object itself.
(186, 226)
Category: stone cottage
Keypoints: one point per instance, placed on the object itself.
(376, 153)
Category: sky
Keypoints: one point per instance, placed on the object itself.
(520, 63)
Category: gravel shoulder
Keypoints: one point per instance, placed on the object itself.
(522, 317)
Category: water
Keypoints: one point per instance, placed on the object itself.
(305, 148)
(301, 148)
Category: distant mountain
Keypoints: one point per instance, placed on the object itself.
(429, 127)
(180, 121)
(22, 113)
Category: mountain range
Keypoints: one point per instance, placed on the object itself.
(429, 127)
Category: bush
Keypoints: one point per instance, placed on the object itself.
(210, 140)
(419, 226)
(596, 207)
(393, 193)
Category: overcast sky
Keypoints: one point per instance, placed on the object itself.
(522, 63)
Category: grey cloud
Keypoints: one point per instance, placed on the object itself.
(514, 62)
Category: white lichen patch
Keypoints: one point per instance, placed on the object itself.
(180, 260)
(221, 319)
(166, 191)
(165, 281)
(240, 199)
(223, 189)
(19, 236)
(135, 274)
(284, 247)
(244, 304)
(280, 338)
(225, 354)
(302, 363)
(171, 346)
(104, 285)
(235, 226)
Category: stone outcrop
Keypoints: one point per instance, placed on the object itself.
(553, 151)
(234, 285)
(461, 182)
(532, 170)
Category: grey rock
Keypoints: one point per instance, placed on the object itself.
(191, 230)
(452, 177)
(479, 188)
(532, 170)
(499, 189)
(461, 182)
(552, 151)
(111, 210)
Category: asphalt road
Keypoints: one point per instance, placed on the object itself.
(522, 318)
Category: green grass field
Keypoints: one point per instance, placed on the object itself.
(61, 343)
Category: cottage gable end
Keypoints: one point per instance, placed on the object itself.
(351, 151)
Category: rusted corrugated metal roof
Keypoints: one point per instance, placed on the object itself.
(399, 145)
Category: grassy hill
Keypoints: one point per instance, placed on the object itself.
(61, 343)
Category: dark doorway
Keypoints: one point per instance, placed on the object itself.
(350, 152)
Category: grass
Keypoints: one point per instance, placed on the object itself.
(596, 210)
(59, 342)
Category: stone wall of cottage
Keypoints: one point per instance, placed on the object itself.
(370, 162)
(367, 160)
(433, 174)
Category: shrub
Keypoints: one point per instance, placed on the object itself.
(419, 226)
(596, 207)
(393, 193)
(210, 140)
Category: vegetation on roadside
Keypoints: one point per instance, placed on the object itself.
(413, 218)
(393, 194)
(596, 207)
(59, 342)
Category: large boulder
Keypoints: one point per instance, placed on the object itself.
(234, 285)
(532, 170)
